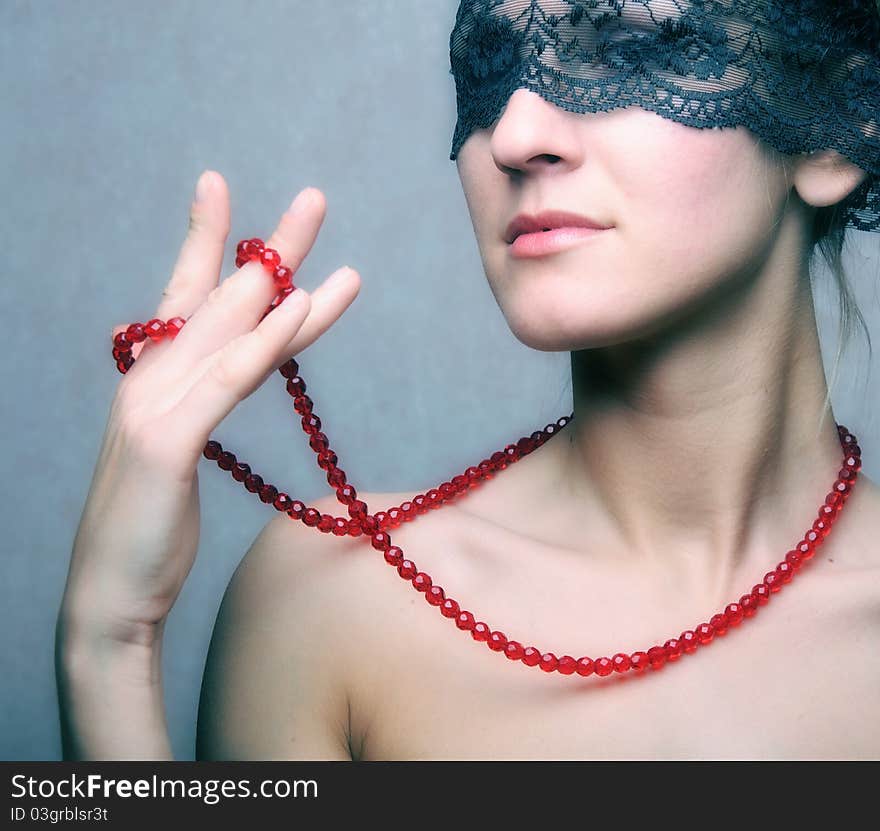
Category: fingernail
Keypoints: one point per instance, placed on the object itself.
(203, 186)
(300, 201)
(340, 276)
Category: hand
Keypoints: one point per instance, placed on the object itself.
(139, 531)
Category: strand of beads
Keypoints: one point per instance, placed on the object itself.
(376, 525)
(656, 656)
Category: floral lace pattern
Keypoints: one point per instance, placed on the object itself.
(802, 75)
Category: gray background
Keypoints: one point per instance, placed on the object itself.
(110, 111)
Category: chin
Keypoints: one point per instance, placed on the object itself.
(563, 330)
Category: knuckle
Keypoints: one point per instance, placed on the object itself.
(225, 371)
(218, 295)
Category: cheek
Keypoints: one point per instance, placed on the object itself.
(698, 200)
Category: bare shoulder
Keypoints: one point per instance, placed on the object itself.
(277, 676)
(287, 670)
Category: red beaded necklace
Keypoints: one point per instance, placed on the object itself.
(360, 521)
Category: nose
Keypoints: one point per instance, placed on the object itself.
(534, 135)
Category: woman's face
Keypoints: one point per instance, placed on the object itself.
(692, 212)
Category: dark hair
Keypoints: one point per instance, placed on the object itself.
(829, 237)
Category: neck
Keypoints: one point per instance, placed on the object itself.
(711, 442)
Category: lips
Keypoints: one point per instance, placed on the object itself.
(530, 223)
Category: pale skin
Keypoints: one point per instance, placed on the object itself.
(698, 456)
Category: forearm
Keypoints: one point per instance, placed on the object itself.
(110, 697)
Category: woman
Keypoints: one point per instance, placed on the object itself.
(700, 449)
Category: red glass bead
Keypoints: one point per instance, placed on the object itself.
(295, 386)
(656, 657)
(748, 604)
(282, 277)
(226, 460)
(704, 632)
(514, 650)
(155, 329)
(435, 595)
(311, 424)
(297, 509)
(340, 526)
(380, 540)
(173, 326)
(674, 649)
(421, 582)
(270, 258)
(734, 613)
(719, 624)
(358, 509)
(336, 477)
(449, 608)
(566, 665)
(827, 513)
(772, 581)
(122, 342)
(212, 450)
(253, 483)
(846, 474)
(282, 502)
(793, 558)
(585, 666)
(689, 641)
(621, 662)
(406, 569)
(603, 666)
(311, 516)
(638, 660)
(480, 631)
(761, 593)
(252, 247)
(823, 527)
(268, 494)
(806, 549)
(465, 621)
(531, 656)
(136, 333)
(497, 641)
(289, 369)
(549, 662)
(393, 555)
(240, 471)
(784, 572)
(326, 523)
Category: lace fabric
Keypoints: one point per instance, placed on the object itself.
(802, 75)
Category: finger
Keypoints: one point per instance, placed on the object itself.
(197, 269)
(328, 303)
(237, 370)
(237, 304)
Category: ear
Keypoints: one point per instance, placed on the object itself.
(825, 177)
